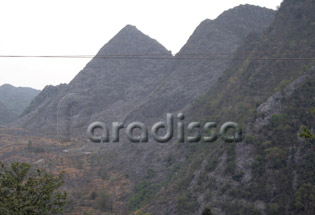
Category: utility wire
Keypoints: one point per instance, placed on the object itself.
(159, 56)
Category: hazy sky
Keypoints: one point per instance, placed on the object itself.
(82, 27)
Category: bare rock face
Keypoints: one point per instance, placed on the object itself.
(273, 103)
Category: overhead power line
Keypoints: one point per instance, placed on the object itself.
(191, 56)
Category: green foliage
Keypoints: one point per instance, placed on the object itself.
(103, 201)
(277, 119)
(184, 182)
(258, 165)
(273, 209)
(150, 174)
(306, 133)
(93, 195)
(29, 145)
(102, 172)
(225, 187)
(186, 204)
(250, 139)
(34, 148)
(142, 194)
(25, 194)
(238, 176)
(284, 82)
(275, 156)
(305, 198)
(207, 211)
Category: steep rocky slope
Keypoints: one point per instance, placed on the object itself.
(269, 90)
(121, 88)
(111, 85)
(210, 48)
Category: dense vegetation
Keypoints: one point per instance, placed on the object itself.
(25, 193)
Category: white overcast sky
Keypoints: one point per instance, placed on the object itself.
(82, 27)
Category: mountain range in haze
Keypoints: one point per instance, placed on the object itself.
(146, 89)
(14, 100)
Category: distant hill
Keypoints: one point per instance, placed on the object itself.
(16, 99)
(5, 115)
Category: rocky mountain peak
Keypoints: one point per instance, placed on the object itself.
(246, 10)
(229, 28)
(111, 84)
(250, 13)
(130, 41)
(6, 86)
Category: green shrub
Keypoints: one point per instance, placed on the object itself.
(103, 201)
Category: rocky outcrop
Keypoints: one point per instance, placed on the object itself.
(273, 104)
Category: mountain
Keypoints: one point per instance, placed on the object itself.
(16, 99)
(5, 115)
(269, 90)
(202, 60)
(121, 75)
(119, 88)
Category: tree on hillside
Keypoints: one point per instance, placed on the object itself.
(305, 132)
(207, 211)
(23, 193)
